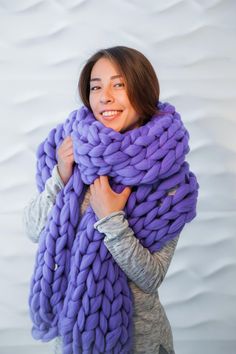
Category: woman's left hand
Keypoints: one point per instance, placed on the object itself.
(104, 200)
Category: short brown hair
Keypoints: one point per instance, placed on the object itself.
(142, 84)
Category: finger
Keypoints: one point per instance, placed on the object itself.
(70, 159)
(68, 151)
(62, 150)
(126, 192)
(66, 156)
(68, 144)
(104, 181)
(67, 139)
(97, 183)
(69, 154)
(91, 187)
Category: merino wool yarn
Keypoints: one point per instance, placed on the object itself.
(77, 290)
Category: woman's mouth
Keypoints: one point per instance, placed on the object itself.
(112, 114)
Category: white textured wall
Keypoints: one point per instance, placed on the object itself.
(43, 45)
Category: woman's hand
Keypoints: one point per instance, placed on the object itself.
(65, 159)
(104, 200)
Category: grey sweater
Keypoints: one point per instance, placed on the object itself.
(145, 271)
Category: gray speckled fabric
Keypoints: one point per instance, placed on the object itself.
(145, 271)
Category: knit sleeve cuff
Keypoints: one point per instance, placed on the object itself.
(112, 225)
(57, 178)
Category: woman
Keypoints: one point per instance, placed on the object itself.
(120, 90)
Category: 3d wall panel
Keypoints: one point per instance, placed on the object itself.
(43, 46)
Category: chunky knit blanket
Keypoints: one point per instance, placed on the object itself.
(77, 290)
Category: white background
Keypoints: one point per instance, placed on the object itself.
(191, 44)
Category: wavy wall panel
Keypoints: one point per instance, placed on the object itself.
(191, 44)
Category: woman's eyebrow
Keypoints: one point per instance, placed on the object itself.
(112, 78)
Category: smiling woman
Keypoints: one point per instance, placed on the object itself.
(116, 80)
(115, 192)
(109, 99)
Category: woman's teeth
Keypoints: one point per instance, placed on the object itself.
(110, 113)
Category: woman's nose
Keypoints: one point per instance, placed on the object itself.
(106, 96)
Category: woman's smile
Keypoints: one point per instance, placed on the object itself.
(112, 114)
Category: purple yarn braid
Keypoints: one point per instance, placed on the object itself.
(77, 290)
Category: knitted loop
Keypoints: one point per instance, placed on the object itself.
(78, 291)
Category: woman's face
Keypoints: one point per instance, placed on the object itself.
(108, 97)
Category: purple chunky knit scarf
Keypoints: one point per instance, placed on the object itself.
(77, 290)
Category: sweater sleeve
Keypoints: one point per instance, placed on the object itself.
(146, 270)
(36, 211)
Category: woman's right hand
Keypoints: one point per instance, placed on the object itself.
(65, 158)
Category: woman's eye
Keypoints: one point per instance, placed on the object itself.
(94, 88)
(120, 84)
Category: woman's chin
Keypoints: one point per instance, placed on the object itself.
(113, 126)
